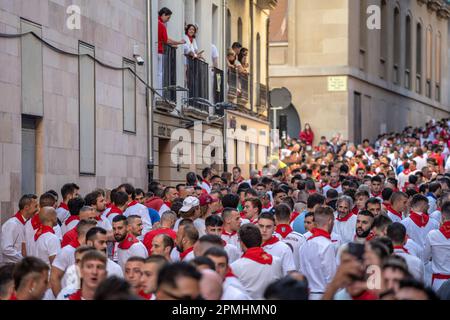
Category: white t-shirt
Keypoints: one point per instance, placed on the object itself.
(47, 245)
(437, 248)
(345, 229)
(282, 250)
(136, 250)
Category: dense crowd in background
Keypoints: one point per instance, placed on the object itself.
(329, 221)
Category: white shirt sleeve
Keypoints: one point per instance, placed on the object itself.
(288, 261)
(11, 236)
(53, 246)
(426, 254)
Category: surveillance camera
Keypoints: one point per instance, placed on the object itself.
(140, 61)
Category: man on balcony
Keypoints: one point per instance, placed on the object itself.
(163, 39)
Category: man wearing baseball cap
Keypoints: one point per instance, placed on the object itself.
(190, 210)
(207, 204)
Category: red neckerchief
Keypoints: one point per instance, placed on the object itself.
(145, 296)
(75, 296)
(75, 243)
(185, 253)
(376, 195)
(420, 220)
(70, 219)
(207, 183)
(391, 210)
(229, 234)
(319, 233)
(401, 248)
(294, 216)
(42, 230)
(371, 236)
(267, 206)
(191, 39)
(64, 206)
(272, 240)
(132, 203)
(13, 297)
(224, 243)
(283, 230)
(335, 186)
(254, 220)
(406, 172)
(98, 218)
(258, 255)
(239, 180)
(230, 273)
(128, 242)
(109, 205)
(19, 217)
(445, 229)
(168, 203)
(35, 222)
(355, 210)
(113, 210)
(366, 295)
(345, 218)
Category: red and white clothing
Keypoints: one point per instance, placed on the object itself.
(437, 248)
(146, 296)
(415, 265)
(206, 186)
(30, 229)
(47, 243)
(437, 214)
(278, 248)
(69, 224)
(294, 239)
(337, 187)
(377, 195)
(418, 225)
(267, 208)
(187, 255)
(165, 207)
(256, 270)
(318, 263)
(232, 251)
(12, 237)
(233, 289)
(135, 208)
(64, 259)
(393, 214)
(345, 227)
(231, 238)
(103, 223)
(112, 212)
(62, 212)
(130, 247)
(148, 239)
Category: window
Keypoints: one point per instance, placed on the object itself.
(438, 67)
(258, 68)
(215, 24)
(362, 34)
(383, 39)
(32, 70)
(87, 108)
(228, 35)
(279, 22)
(408, 49)
(429, 61)
(28, 155)
(129, 96)
(396, 45)
(419, 58)
(240, 31)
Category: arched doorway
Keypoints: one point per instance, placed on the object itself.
(289, 122)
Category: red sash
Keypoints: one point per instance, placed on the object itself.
(185, 253)
(346, 218)
(64, 206)
(128, 242)
(283, 230)
(70, 219)
(394, 212)
(272, 240)
(113, 210)
(19, 217)
(132, 203)
(401, 248)
(319, 233)
(445, 229)
(258, 255)
(35, 222)
(75, 296)
(42, 230)
(421, 220)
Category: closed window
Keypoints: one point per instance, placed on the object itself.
(129, 96)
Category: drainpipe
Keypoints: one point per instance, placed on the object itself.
(149, 94)
(225, 81)
(251, 50)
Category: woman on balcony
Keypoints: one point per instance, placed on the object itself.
(190, 46)
(242, 58)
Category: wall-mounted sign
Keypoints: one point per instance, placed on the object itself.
(337, 84)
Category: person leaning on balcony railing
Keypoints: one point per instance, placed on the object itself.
(232, 62)
(190, 45)
(243, 60)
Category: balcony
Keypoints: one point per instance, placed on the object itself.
(197, 82)
(232, 85)
(218, 85)
(261, 102)
(169, 80)
(267, 4)
(243, 83)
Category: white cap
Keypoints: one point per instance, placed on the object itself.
(189, 203)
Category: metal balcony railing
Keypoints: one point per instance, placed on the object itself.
(197, 82)
(170, 73)
(232, 84)
(244, 82)
(261, 102)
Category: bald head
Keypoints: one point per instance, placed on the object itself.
(47, 216)
(211, 285)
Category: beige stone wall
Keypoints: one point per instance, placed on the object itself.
(113, 28)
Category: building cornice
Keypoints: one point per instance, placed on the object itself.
(441, 7)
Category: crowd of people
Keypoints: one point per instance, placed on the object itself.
(332, 221)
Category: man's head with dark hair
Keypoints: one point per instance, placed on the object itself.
(386, 194)
(214, 225)
(374, 206)
(178, 281)
(252, 208)
(288, 288)
(47, 200)
(250, 236)
(206, 173)
(202, 262)
(129, 189)
(75, 205)
(412, 289)
(220, 258)
(69, 191)
(332, 194)
(380, 225)
(419, 203)
(282, 214)
(314, 200)
(397, 233)
(230, 201)
(30, 278)
(164, 12)
(120, 224)
(6, 281)
(114, 288)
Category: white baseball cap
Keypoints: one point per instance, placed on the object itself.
(189, 203)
